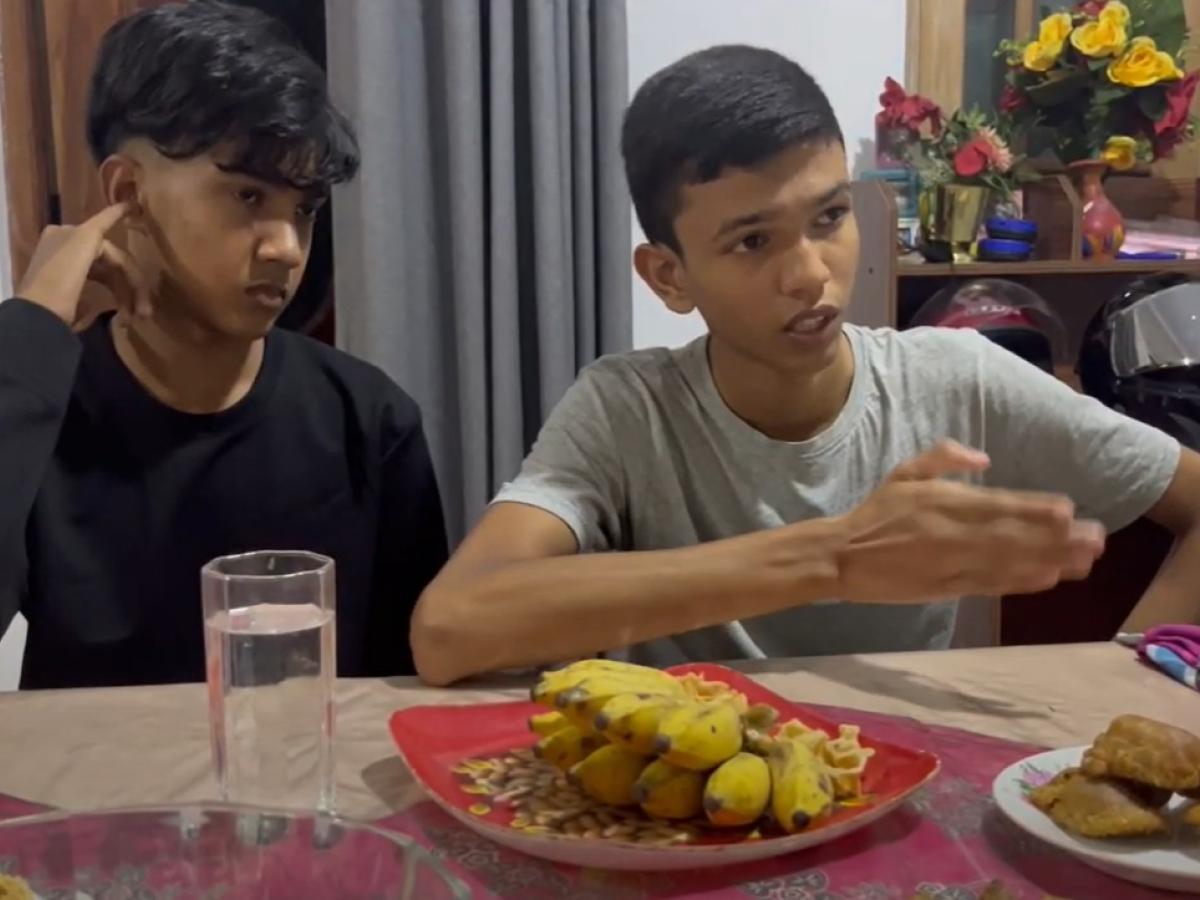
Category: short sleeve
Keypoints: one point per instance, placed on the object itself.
(1042, 435)
(574, 470)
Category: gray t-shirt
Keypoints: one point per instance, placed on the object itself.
(643, 454)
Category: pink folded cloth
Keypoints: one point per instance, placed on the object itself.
(1175, 649)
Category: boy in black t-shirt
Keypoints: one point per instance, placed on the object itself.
(137, 444)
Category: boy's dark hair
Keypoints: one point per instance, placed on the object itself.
(727, 106)
(191, 76)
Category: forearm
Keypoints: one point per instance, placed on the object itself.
(1174, 595)
(38, 360)
(546, 610)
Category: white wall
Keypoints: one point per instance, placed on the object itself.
(849, 46)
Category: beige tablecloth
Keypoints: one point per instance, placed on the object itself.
(90, 748)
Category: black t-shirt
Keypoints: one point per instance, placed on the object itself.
(110, 501)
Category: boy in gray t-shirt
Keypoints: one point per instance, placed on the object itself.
(789, 484)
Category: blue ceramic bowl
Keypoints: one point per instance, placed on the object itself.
(996, 250)
(1012, 229)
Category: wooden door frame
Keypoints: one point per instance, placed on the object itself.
(934, 51)
(28, 145)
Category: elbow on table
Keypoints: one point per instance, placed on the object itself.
(440, 644)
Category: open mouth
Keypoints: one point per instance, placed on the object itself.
(267, 293)
(812, 321)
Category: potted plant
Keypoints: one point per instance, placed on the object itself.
(963, 164)
(1103, 84)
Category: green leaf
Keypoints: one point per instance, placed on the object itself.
(1163, 20)
(1108, 93)
(1152, 101)
(1056, 91)
(1098, 65)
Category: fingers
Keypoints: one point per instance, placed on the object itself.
(117, 271)
(947, 458)
(107, 219)
(1049, 511)
(1010, 557)
(969, 504)
(927, 539)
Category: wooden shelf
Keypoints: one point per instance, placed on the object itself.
(1046, 267)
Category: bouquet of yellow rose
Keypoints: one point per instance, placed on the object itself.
(1104, 81)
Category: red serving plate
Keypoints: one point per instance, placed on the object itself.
(433, 740)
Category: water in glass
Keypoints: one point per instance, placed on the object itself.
(270, 645)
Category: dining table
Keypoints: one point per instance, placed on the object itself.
(109, 747)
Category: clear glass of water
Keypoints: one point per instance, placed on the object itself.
(270, 648)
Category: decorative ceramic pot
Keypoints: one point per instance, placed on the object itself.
(1103, 227)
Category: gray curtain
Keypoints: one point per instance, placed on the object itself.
(482, 256)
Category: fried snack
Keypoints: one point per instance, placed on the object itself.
(844, 757)
(14, 888)
(699, 688)
(1155, 798)
(1139, 749)
(1191, 816)
(1096, 807)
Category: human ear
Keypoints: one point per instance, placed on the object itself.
(662, 270)
(121, 178)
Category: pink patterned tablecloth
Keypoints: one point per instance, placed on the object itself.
(139, 746)
(948, 843)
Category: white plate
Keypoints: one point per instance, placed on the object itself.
(1169, 863)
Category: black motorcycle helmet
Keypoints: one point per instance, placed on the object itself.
(1141, 354)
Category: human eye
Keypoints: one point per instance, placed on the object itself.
(752, 242)
(833, 216)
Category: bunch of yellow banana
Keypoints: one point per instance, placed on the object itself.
(682, 748)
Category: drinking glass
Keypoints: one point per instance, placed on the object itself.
(270, 648)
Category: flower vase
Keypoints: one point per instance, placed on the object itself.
(1102, 227)
(951, 215)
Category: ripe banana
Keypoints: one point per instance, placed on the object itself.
(545, 724)
(632, 720)
(566, 747)
(582, 713)
(665, 791)
(801, 790)
(608, 775)
(610, 684)
(699, 736)
(551, 685)
(737, 793)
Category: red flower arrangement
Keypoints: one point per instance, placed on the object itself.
(965, 148)
(1175, 126)
(900, 110)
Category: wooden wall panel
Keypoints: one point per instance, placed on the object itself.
(28, 150)
(936, 45)
(1024, 19)
(73, 32)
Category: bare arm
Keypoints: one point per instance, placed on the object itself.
(1174, 595)
(517, 593)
